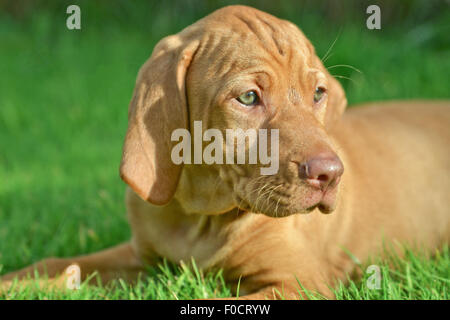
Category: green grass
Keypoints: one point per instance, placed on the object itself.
(63, 115)
(167, 281)
(414, 276)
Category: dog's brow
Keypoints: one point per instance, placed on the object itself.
(315, 70)
(316, 73)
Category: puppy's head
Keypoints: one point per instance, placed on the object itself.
(238, 68)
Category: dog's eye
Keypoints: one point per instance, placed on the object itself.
(248, 98)
(318, 94)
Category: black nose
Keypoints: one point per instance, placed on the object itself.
(322, 171)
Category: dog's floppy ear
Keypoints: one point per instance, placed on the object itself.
(337, 101)
(157, 108)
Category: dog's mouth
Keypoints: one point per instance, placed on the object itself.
(328, 202)
(280, 195)
(284, 202)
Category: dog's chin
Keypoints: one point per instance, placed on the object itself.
(278, 208)
(294, 210)
(283, 211)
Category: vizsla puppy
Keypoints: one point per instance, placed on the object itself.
(243, 68)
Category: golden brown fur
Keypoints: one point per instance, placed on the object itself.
(270, 230)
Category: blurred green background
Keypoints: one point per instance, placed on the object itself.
(64, 97)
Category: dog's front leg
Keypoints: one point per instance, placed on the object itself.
(117, 262)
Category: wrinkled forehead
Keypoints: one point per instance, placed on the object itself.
(235, 41)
